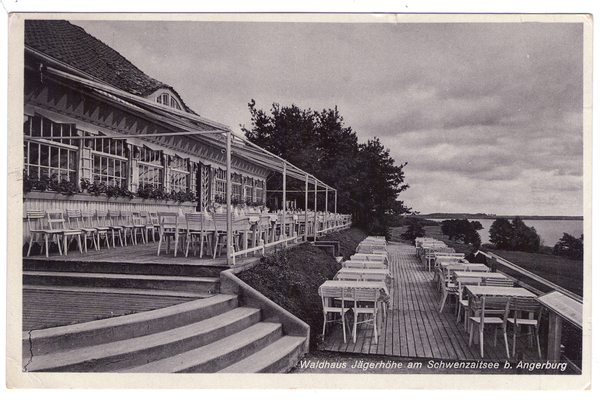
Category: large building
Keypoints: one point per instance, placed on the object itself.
(93, 121)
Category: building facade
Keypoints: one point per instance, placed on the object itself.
(98, 133)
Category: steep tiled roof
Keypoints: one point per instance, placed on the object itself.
(73, 46)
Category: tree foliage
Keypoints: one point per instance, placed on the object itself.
(365, 176)
(570, 247)
(463, 230)
(514, 235)
(415, 229)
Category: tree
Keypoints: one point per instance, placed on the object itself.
(501, 233)
(569, 246)
(463, 230)
(365, 176)
(514, 235)
(415, 229)
(524, 238)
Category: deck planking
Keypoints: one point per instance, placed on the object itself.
(414, 327)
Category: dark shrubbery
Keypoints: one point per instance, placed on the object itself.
(570, 247)
(415, 229)
(463, 230)
(515, 235)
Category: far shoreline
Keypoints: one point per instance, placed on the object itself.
(493, 216)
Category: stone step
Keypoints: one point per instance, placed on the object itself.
(218, 355)
(171, 268)
(145, 349)
(130, 281)
(62, 338)
(278, 357)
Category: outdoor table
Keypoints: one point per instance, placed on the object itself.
(364, 264)
(474, 276)
(359, 284)
(497, 291)
(358, 274)
(369, 257)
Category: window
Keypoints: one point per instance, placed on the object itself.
(48, 150)
(236, 186)
(168, 100)
(150, 167)
(248, 190)
(109, 162)
(178, 174)
(220, 184)
(259, 186)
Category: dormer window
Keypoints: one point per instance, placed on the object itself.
(168, 100)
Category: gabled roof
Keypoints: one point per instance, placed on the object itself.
(72, 45)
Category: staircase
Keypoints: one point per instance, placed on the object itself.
(206, 333)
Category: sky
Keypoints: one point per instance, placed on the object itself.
(489, 116)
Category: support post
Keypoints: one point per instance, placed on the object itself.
(315, 225)
(284, 203)
(228, 203)
(306, 208)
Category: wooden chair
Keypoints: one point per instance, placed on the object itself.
(462, 303)
(87, 221)
(126, 222)
(486, 310)
(365, 303)
(75, 221)
(102, 225)
(168, 229)
(154, 221)
(521, 308)
(334, 301)
(56, 222)
(149, 226)
(239, 228)
(139, 226)
(114, 226)
(449, 288)
(39, 229)
(195, 229)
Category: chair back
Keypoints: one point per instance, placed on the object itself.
(333, 292)
(347, 276)
(483, 305)
(36, 219)
(102, 218)
(114, 217)
(492, 281)
(153, 217)
(87, 218)
(168, 221)
(526, 305)
(137, 219)
(126, 217)
(373, 277)
(56, 220)
(194, 222)
(366, 295)
(74, 218)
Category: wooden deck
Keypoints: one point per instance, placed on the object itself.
(141, 254)
(414, 326)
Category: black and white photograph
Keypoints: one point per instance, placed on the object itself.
(305, 198)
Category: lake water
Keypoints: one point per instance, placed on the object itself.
(550, 231)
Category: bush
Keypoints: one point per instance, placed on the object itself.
(514, 235)
(570, 247)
